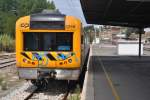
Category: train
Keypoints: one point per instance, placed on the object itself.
(50, 46)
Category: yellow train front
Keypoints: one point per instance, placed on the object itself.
(48, 46)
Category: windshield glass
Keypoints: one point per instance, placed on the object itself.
(58, 41)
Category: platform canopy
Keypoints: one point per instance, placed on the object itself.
(132, 13)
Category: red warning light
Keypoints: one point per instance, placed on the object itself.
(33, 63)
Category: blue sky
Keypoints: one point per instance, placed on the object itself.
(70, 7)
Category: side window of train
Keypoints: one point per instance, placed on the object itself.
(85, 39)
(30, 41)
(82, 39)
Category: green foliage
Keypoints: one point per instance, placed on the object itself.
(7, 43)
(129, 31)
(8, 23)
(11, 10)
(3, 84)
(26, 7)
(89, 30)
(76, 95)
(1, 80)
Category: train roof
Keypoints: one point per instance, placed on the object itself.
(49, 20)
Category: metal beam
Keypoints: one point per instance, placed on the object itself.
(141, 30)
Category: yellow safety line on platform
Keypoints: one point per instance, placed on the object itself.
(114, 91)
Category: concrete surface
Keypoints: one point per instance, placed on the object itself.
(113, 77)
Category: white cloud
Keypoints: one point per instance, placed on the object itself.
(147, 29)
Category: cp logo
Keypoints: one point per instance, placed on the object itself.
(25, 25)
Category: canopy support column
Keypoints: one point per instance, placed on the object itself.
(141, 30)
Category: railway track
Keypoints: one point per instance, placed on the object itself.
(7, 60)
(7, 55)
(21, 93)
(56, 90)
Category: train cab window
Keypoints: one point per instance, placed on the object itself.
(59, 41)
(30, 41)
(64, 41)
(48, 42)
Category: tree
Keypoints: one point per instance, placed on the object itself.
(89, 30)
(130, 30)
(11, 10)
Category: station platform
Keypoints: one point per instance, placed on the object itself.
(113, 77)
